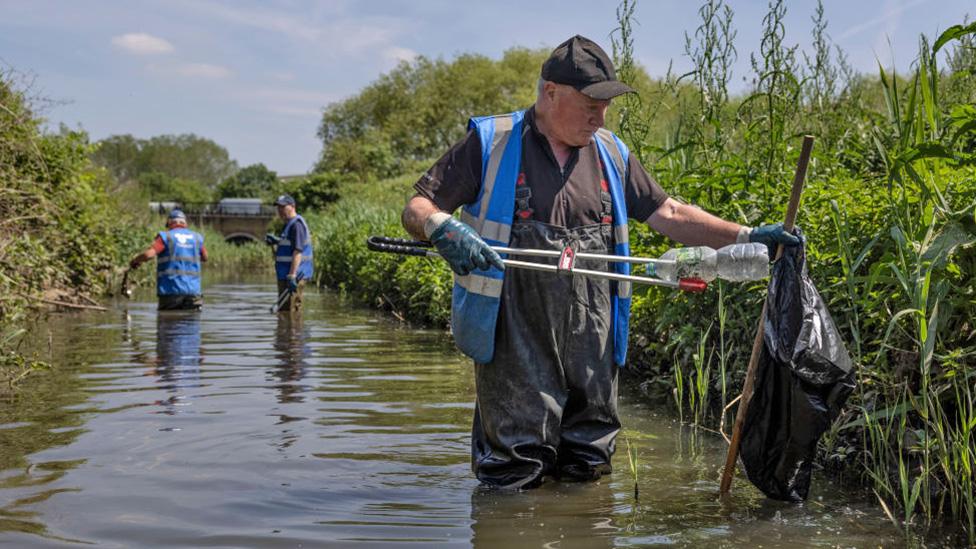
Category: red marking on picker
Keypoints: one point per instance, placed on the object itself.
(692, 285)
(567, 259)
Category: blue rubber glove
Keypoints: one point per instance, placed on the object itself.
(771, 236)
(271, 239)
(292, 283)
(462, 248)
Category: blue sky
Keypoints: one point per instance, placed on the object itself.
(254, 76)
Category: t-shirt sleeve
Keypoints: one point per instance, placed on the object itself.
(299, 236)
(644, 195)
(455, 179)
(158, 245)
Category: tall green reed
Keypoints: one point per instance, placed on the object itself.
(889, 217)
(927, 215)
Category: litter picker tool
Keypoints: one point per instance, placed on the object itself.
(565, 264)
(282, 297)
(748, 385)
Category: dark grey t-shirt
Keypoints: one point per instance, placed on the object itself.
(568, 198)
(298, 234)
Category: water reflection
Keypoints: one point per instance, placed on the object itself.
(292, 352)
(556, 515)
(178, 357)
(334, 429)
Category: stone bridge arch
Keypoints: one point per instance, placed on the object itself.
(238, 220)
(242, 238)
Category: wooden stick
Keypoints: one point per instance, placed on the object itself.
(71, 305)
(747, 387)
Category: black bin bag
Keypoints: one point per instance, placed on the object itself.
(804, 376)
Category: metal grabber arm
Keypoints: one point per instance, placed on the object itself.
(565, 264)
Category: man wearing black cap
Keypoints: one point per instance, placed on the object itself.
(546, 348)
(179, 253)
(293, 254)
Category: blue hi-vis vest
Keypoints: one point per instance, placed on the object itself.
(285, 251)
(178, 266)
(476, 297)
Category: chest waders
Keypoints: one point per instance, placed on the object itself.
(547, 398)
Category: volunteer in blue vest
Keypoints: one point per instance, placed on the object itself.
(546, 347)
(179, 253)
(293, 253)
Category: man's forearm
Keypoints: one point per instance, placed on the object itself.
(142, 258)
(415, 215)
(693, 226)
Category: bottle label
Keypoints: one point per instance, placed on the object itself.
(687, 261)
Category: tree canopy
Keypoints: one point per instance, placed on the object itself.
(419, 109)
(184, 168)
(254, 181)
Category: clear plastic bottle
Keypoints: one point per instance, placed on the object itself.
(736, 262)
(692, 262)
(740, 262)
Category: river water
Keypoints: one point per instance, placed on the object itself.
(238, 428)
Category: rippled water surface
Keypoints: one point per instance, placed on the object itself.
(237, 428)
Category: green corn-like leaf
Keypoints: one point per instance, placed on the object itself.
(952, 33)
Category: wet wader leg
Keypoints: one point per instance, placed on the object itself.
(180, 302)
(294, 300)
(551, 386)
(589, 423)
(520, 393)
(516, 422)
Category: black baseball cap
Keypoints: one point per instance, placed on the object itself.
(284, 200)
(579, 62)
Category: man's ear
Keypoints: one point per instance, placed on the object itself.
(549, 89)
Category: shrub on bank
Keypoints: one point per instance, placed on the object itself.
(412, 288)
(60, 227)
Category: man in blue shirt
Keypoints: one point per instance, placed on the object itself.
(293, 254)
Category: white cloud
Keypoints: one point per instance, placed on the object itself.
(396, 53)
(354, 37)
(140, 43)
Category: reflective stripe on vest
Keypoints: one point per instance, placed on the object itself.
(285, 250)
(476, 297)
(178, 266)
